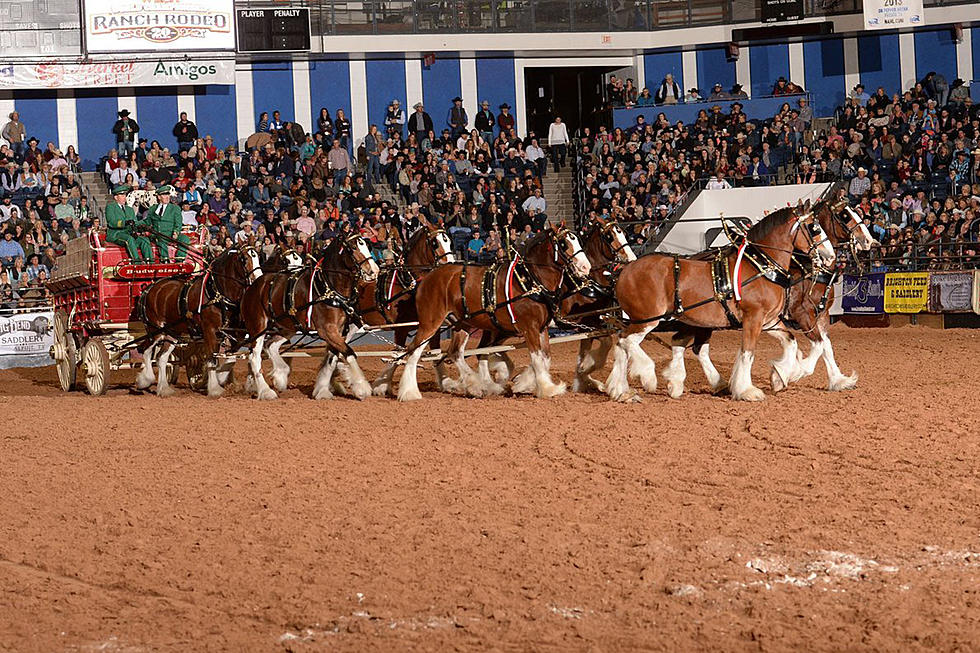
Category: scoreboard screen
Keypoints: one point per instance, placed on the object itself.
(777, 11)
(273, 30)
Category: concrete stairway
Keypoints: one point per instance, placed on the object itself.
(96, 191)
(558, 193)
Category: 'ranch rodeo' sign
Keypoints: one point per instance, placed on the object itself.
(159, 25)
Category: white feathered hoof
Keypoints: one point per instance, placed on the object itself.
(267, 394)
(215, 393)
(675, 389)
(381, 389)
(406, 394)
(547, 391)
(361, 390)
(322, 394)
(751, 393)
(167, 391)
(249, 384)
(842, 383)
(523, 383)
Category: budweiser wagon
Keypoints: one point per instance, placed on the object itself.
(95, 288)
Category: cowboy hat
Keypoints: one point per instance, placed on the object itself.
(457, 99)
(418, 105)
(124, 113)
(504, 106)
(395, 101)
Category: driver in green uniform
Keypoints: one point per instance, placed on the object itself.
(165, 221)
(122, 227)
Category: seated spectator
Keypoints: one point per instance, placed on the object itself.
(10, 249)
(474, 249)
(785, 87)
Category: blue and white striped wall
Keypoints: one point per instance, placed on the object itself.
(364, 87)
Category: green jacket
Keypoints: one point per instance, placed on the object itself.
(117, 216)
(168, 222)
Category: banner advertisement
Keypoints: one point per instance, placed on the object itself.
(26, 338)
(893, 14)
(950, 292)
(129, 74)
(906, 292)
(159, 25)
(863, 295)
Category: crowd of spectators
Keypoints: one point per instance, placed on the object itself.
(476, 177)
(910, 162)
(42, 206)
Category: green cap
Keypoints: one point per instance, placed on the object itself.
(166, 189)
(121, 189)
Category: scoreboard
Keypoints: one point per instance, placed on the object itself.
(273, 30)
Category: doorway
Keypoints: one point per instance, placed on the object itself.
(575, 94)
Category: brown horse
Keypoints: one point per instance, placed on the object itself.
(318, 299)
(205, 303)
(807, 308)
(746, 284)
(514, 298)
(607, 248)
(391, 298)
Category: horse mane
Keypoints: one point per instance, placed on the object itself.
(770, 223)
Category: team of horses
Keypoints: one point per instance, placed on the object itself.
(776, 278)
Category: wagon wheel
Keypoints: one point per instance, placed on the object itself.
(64, 352)
(95, 359)
(195, 362)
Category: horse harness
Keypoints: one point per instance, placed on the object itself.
(518, 275)
(320, 292)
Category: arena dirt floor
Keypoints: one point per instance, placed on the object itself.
(813, 521)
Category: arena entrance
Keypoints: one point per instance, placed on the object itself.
(574, 93)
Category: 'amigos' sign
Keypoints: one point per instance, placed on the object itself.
(159, 25)
(126, 74)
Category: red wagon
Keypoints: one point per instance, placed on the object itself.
(95, 288)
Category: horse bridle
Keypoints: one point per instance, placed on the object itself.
(435, 243)
(561, 234)
(355, 250)
(606, 230)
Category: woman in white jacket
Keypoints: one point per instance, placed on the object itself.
(558, 142)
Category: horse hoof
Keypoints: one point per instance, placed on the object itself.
(380, 390)
(409, 395)
(361, 391)
(493, 389)
(675, 390)
(776, 381)
(216, 394)
(843, 383)
(629, 397)
(267, 394)
(166, 392)
(752, 394)
(552, 391)
(323, 394)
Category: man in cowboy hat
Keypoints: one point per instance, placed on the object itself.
(484, 121)
(420, 122)
(395, 119)
(165, 221)
(15, 133)
(121, 224)
(457, 118)
(125, 131)
(505, 119)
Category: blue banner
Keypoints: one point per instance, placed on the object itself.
(864, 295)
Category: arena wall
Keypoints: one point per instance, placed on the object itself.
(363, 86)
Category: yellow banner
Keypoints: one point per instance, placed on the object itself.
(906, 292)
